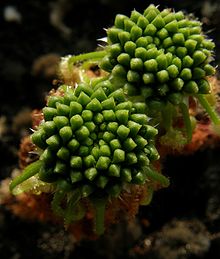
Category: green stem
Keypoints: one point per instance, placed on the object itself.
(99, 204)
(167, 116)
(149, 195)
(157, 177)
(211, 112)
(71, 207)
(62, 189)
(56, 203)
(28, 172)
(187, 121)
(95, 55)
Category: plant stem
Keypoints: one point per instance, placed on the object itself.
(56, 203)
(187, 121)
(167, 116)
(158, 177)
(28, 172)
(99, 204)
(211, 112)
(95, 55)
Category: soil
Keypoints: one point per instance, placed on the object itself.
(183, 221)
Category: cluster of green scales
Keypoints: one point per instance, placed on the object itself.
(98, 139)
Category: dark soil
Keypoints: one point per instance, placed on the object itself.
(183, 221)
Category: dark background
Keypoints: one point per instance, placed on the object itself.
(193, 197)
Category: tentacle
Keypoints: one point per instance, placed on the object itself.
(155, 176)
(99, 205)
(62, 189)
(167, 116)
(211, 112)
(28, 172)
(187, 121)
(148, 196)
(71, 212)
(96, 55)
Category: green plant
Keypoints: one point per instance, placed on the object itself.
(163, 58)
(99, 138)
(93, 143)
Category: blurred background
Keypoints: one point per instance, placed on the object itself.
(182, 221)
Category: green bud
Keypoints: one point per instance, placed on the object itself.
(66, 133)
(108, 136)
(148, 78)
(128, 24)
(76, 122)
(124, 37)
(186, 74)
(91, 173)
(133, 76)
(168, 16)
(162, 76)
(53, 100)
(204, 87)
(60, 168)
(123, 132)
(177, 84)
(130, 47)
(198, 57)
(150, 30)
(106, 64)
(136, 32)
(89, 161)
(187, 61)
(114, 190)
(115, 50)
(162, 33)
(178, 38)
(173, 71)
(115, 144)
(139, 178)
(87, 115)
(151, 65)
(76, 176)
(124, 59)
(76, 162)
(63, 153)
(109, 115)
(181, 52)
(162, 61)
(63, 109)
(209, 70)
(103, 163)
(49, 113)
(54, 142)
(118, 156)
(94, 105)
(142, 22)
(102, 181)
(83, 99)
(49, 128)
(73, 145)
(135, 16)
(141, 53)
(191, 87)
(119, 21)
(113, 35)
(198, 73)
(82, 133)
(175, 98)
(114, 170)
(131, 158)
(167, 42)
(136, 64)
